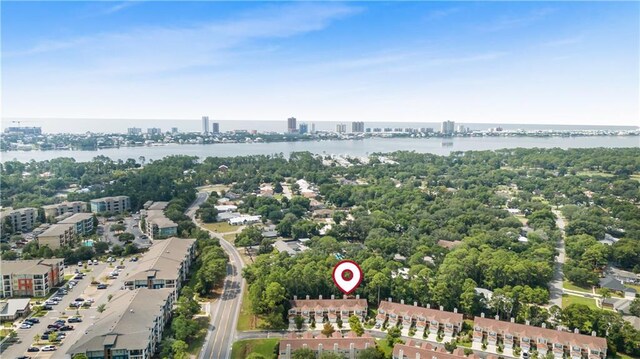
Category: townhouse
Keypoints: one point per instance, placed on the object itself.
(57, 235)
(60, 209)
(165, 265)
(348, 346)
(413, 350)
(529, 338)
(21, 219)
(330, 309)
(30, 278)
(130, 328)
(117, 204)
(423, 318)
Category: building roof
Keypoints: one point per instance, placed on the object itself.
(163, 259)
(429, 314)
(11, 306)
(113, 198)
(321, 304)
(615, 284)
(10, 210)
(449, 244)
(127, 322)
(77, 218)
(555, 336)
(65, 203)
(32, 266)
(307, 341)
(57, 230)
(158, 206)
(427, 351)
(243, 219)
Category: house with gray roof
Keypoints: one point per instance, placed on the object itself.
(131, 327)
(11, 309)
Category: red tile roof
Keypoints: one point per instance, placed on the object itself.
(321, 304)
(554, 336)
(360, 343)
(427, 351)
(414, 311)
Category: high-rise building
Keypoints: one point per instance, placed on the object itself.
(313, 127)
(174, 130)
(447, 127)
(216, 127)
(357, 126)
(154, 131)
(134, 131)
(24, 130)
(205, 124)
(341, 128)
(292, 125)
(304, 128)
(460, 129)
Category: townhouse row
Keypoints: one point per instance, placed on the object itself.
(490, 332)
(30, 278)
(348, 346)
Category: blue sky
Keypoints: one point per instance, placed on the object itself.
(516, 62)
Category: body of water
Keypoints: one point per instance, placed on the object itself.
(364, 147)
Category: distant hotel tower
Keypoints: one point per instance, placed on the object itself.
(304, 128)
(216, 127)
(447, 127)
(341, 128)
(292, 126)
(357, 127)
(205, 124)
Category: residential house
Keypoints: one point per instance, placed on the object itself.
(616, 285)
(423, 318)
(30, 278)
(348, 346)
(331, 309)
(241, 220)
(130, 328)
(529, 338)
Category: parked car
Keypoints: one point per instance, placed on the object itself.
(47, 307)
(53, 326)
(66, 328)
(74, 320)
(57, 299)
(75, 304)
(49, 348)
(79, 299)
(95, 262)
(32, 320)
(33, 349)
(25, 326)
(110, 260)
(44, 337)
(80, 264)
(120, 267)
(102, 286)
(59, 321)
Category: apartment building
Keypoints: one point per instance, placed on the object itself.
(348, 346)
(562, 344)
(57, 235)
(30, 278)
(423, 318)
(165, 265)
(82, 223)
(330, 309)
(414, 350)
(22, 219)
(117, 204)
(131, 327)
(59, 209)
(157, 225)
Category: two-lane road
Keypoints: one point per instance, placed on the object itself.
(224, 313)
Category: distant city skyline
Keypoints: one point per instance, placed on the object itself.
(572, 63)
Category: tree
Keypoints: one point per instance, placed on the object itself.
(130, 249)
(53, 337)
(109, 297)
(605, 293)
(179, 349)
(356, 326)
(256, 356)
(101, 308)
(330, 355)
(299, 320)
(634, 308)
(80, 356)
(393, 335)
(303, 354)
(100, 247)
(327, 329)
(184, 328)
(370, 353)
(250, 236)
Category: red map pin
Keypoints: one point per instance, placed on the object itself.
(347, 276)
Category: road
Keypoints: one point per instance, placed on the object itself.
(556, 289)
(224, 313)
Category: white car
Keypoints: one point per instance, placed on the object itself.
(48, 348)
(25, 326)
(80, 264)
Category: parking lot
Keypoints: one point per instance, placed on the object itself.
(83, 290)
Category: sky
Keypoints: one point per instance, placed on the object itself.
(472, 62)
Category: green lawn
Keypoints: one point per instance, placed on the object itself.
(220, 227)
(622, 356)
(231, 238)
(384, 346)
(569, 285)
(267, 347)
(247, 320)
(573, 299)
